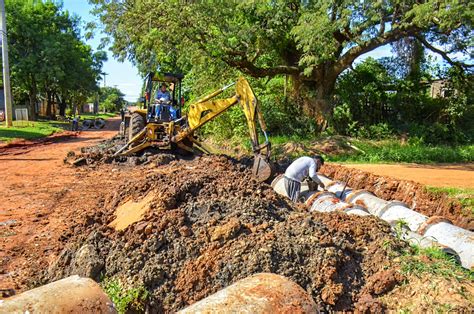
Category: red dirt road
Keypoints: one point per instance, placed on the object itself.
(451, 175)
(40, 196)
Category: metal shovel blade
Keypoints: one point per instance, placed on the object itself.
(261, 169)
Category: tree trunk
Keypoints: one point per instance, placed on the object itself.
(62, 105)
(314, 95)
(32, 104)
(48, 104)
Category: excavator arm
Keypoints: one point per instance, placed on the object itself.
(207, 108)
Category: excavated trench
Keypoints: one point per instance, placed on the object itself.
(205, 223)
(411, 193)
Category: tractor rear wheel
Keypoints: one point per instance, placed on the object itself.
(137, 123)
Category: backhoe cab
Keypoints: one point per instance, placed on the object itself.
(161, 123)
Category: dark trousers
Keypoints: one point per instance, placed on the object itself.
(292, 188)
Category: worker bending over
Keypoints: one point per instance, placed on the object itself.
(299, 170)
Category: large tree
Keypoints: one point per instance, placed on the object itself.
(313, 42)
(47, 55)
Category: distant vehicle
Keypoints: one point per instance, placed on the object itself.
(2, 116)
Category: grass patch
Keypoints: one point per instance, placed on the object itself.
(30, 130)
(125, 299)
(92, 116)
(419, 261)
(388, 151)
(463, 196)
(345, 149)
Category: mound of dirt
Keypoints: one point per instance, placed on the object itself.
(103, 153)
(413, 194)
(209, 224)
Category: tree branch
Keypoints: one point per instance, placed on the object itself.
(442, 53)
(346, 60)
(250, 68)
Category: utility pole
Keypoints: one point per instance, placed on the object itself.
(6, 67)
(105, 75)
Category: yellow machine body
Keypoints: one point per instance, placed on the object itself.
(169, 134)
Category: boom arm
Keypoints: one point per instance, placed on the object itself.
(205, 110)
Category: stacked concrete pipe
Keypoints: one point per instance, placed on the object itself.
(260, 293)
(69, 295)
(423, 230)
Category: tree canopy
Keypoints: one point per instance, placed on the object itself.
(47, 55)
(313, 42)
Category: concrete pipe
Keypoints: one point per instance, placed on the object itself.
(423, 241)
(86, 124)
(70, 295)
(324, 179)
(328, 202)
(260, 293)
(398, 211)
(278, 185)
(357, 210)
(368, 200)
(340, 189)
(99, 123)
(454, 237)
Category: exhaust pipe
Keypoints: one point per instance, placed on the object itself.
(260, 293)
(69, 295)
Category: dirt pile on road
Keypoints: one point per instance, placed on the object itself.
(413, 194)
(208, 223)
(103, 153)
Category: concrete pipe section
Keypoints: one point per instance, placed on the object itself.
(260, 293)
(454, 237)
(449, 238)
(70, 295)
(328, 202)
(432, 232)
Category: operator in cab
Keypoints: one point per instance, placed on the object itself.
(299, 170)
(162, 98)
(162, 93)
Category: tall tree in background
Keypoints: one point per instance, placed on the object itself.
(313, 42)
(48, 56)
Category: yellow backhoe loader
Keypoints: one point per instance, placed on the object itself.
(161, 124)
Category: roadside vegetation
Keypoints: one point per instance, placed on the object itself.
(422, 261)
(29, 130)
(92, 116)
(463, 196)
(125, 299)
(306, 70)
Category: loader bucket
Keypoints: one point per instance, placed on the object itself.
(262, 169)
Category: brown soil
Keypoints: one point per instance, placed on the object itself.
(206, 223)
(412, 193)
(41, 198)
(207, 229)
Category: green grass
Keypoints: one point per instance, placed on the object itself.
(393, 151)
(419, 261)
(30, 130)
(464, 196)
(125, 299)
(92, 116)
(365, 151)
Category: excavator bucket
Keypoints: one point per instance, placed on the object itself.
(262, 170)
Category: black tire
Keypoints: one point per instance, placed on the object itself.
(137, 123)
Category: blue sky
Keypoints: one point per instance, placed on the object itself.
(125, 75)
